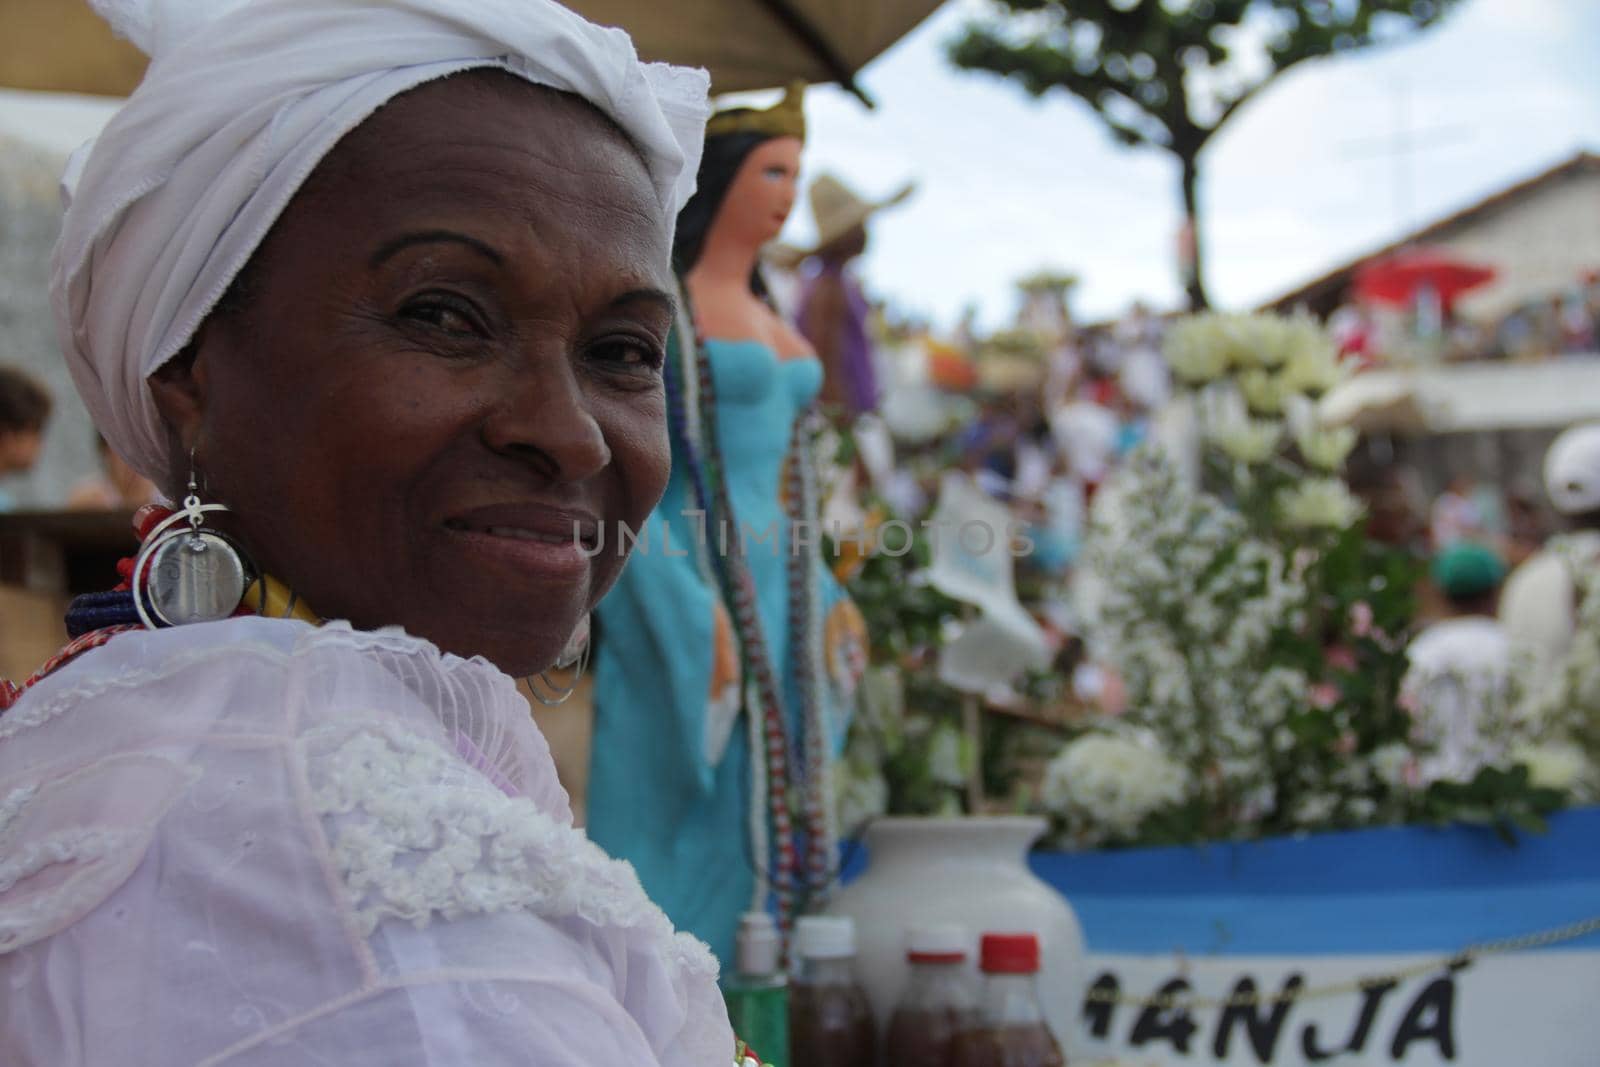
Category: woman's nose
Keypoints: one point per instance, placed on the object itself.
(544, 419)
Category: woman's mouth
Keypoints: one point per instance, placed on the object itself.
(549, 543)
(530, 522)
(518, 533)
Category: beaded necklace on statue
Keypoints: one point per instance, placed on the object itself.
(802, 506)
(779, 772)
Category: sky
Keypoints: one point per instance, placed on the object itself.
(1314, 171)
(1335, 158)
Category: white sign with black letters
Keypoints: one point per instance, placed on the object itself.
(1525, 1009)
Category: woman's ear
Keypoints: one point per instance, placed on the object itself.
(179, 389)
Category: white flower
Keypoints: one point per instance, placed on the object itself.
(1263, 392)
(1253, 340)
(1248, 441)
(861, 794)
(1558, 765)
(1315, 808)
(946, 757)
(1326, 449)
(1263, 341)
(1313, 365)
(881, 700)
(1394, 765)
(1197, 349)
(1319, 503)
(1109, 783)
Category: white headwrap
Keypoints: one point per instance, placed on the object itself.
(241, 101)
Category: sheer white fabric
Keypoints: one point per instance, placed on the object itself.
(257, 842)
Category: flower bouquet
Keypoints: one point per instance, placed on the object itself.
(1261, 635)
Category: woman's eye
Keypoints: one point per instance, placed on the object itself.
(628, 352)
(451, 316)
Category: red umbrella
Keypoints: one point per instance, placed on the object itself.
(1398, 279)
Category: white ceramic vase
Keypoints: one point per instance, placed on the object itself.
(972, 872)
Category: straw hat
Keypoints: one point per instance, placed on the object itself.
(838, 210)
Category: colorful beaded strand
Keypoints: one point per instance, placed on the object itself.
(683, 402)
(741, 597)
(805, 624)
(776, 764)
(820, 737)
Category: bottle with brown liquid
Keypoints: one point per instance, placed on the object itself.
(1011, 1031)
(938, 1003)
(830, 1021)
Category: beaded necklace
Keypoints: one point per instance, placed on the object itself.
(776, 765)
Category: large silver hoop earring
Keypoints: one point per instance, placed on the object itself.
(574, 655)
(189, 575)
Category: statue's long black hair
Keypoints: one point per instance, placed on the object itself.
(724, 155)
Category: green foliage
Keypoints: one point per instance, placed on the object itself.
(903, 615)
(903, 740)
(1171, 73)
(918, 784)
(1139, 63)
(1504, 799)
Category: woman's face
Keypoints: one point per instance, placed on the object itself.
(448, 355)
(762, 193)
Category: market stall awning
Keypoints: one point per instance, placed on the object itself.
(1378, 402)
(1402, 277)
(1467, 397)
(762, 44)
(63, 46)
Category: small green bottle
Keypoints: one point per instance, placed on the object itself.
(758, 991)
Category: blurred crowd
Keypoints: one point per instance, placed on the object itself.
(25, 409)
(1557, 325)
(1042, 442)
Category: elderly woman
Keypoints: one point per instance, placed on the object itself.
(381, 292)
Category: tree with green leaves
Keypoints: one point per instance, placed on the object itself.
(1171, 73)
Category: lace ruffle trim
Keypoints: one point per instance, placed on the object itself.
(417, 834)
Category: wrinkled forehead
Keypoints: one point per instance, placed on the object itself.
(549, 179)
(487, 118)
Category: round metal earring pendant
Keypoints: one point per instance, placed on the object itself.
(185, 576)
(194, 577)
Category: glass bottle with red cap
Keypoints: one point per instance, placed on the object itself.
(1011, 1031)
(938, 1003)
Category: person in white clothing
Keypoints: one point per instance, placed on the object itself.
(381, 294)
(1460, 665)
(1539, 606)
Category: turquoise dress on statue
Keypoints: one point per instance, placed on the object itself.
(670, 776)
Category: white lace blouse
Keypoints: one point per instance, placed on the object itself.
(257, 842)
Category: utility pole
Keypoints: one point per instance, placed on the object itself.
(1401, 145)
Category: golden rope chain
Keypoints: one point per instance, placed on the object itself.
(1168, 1001)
